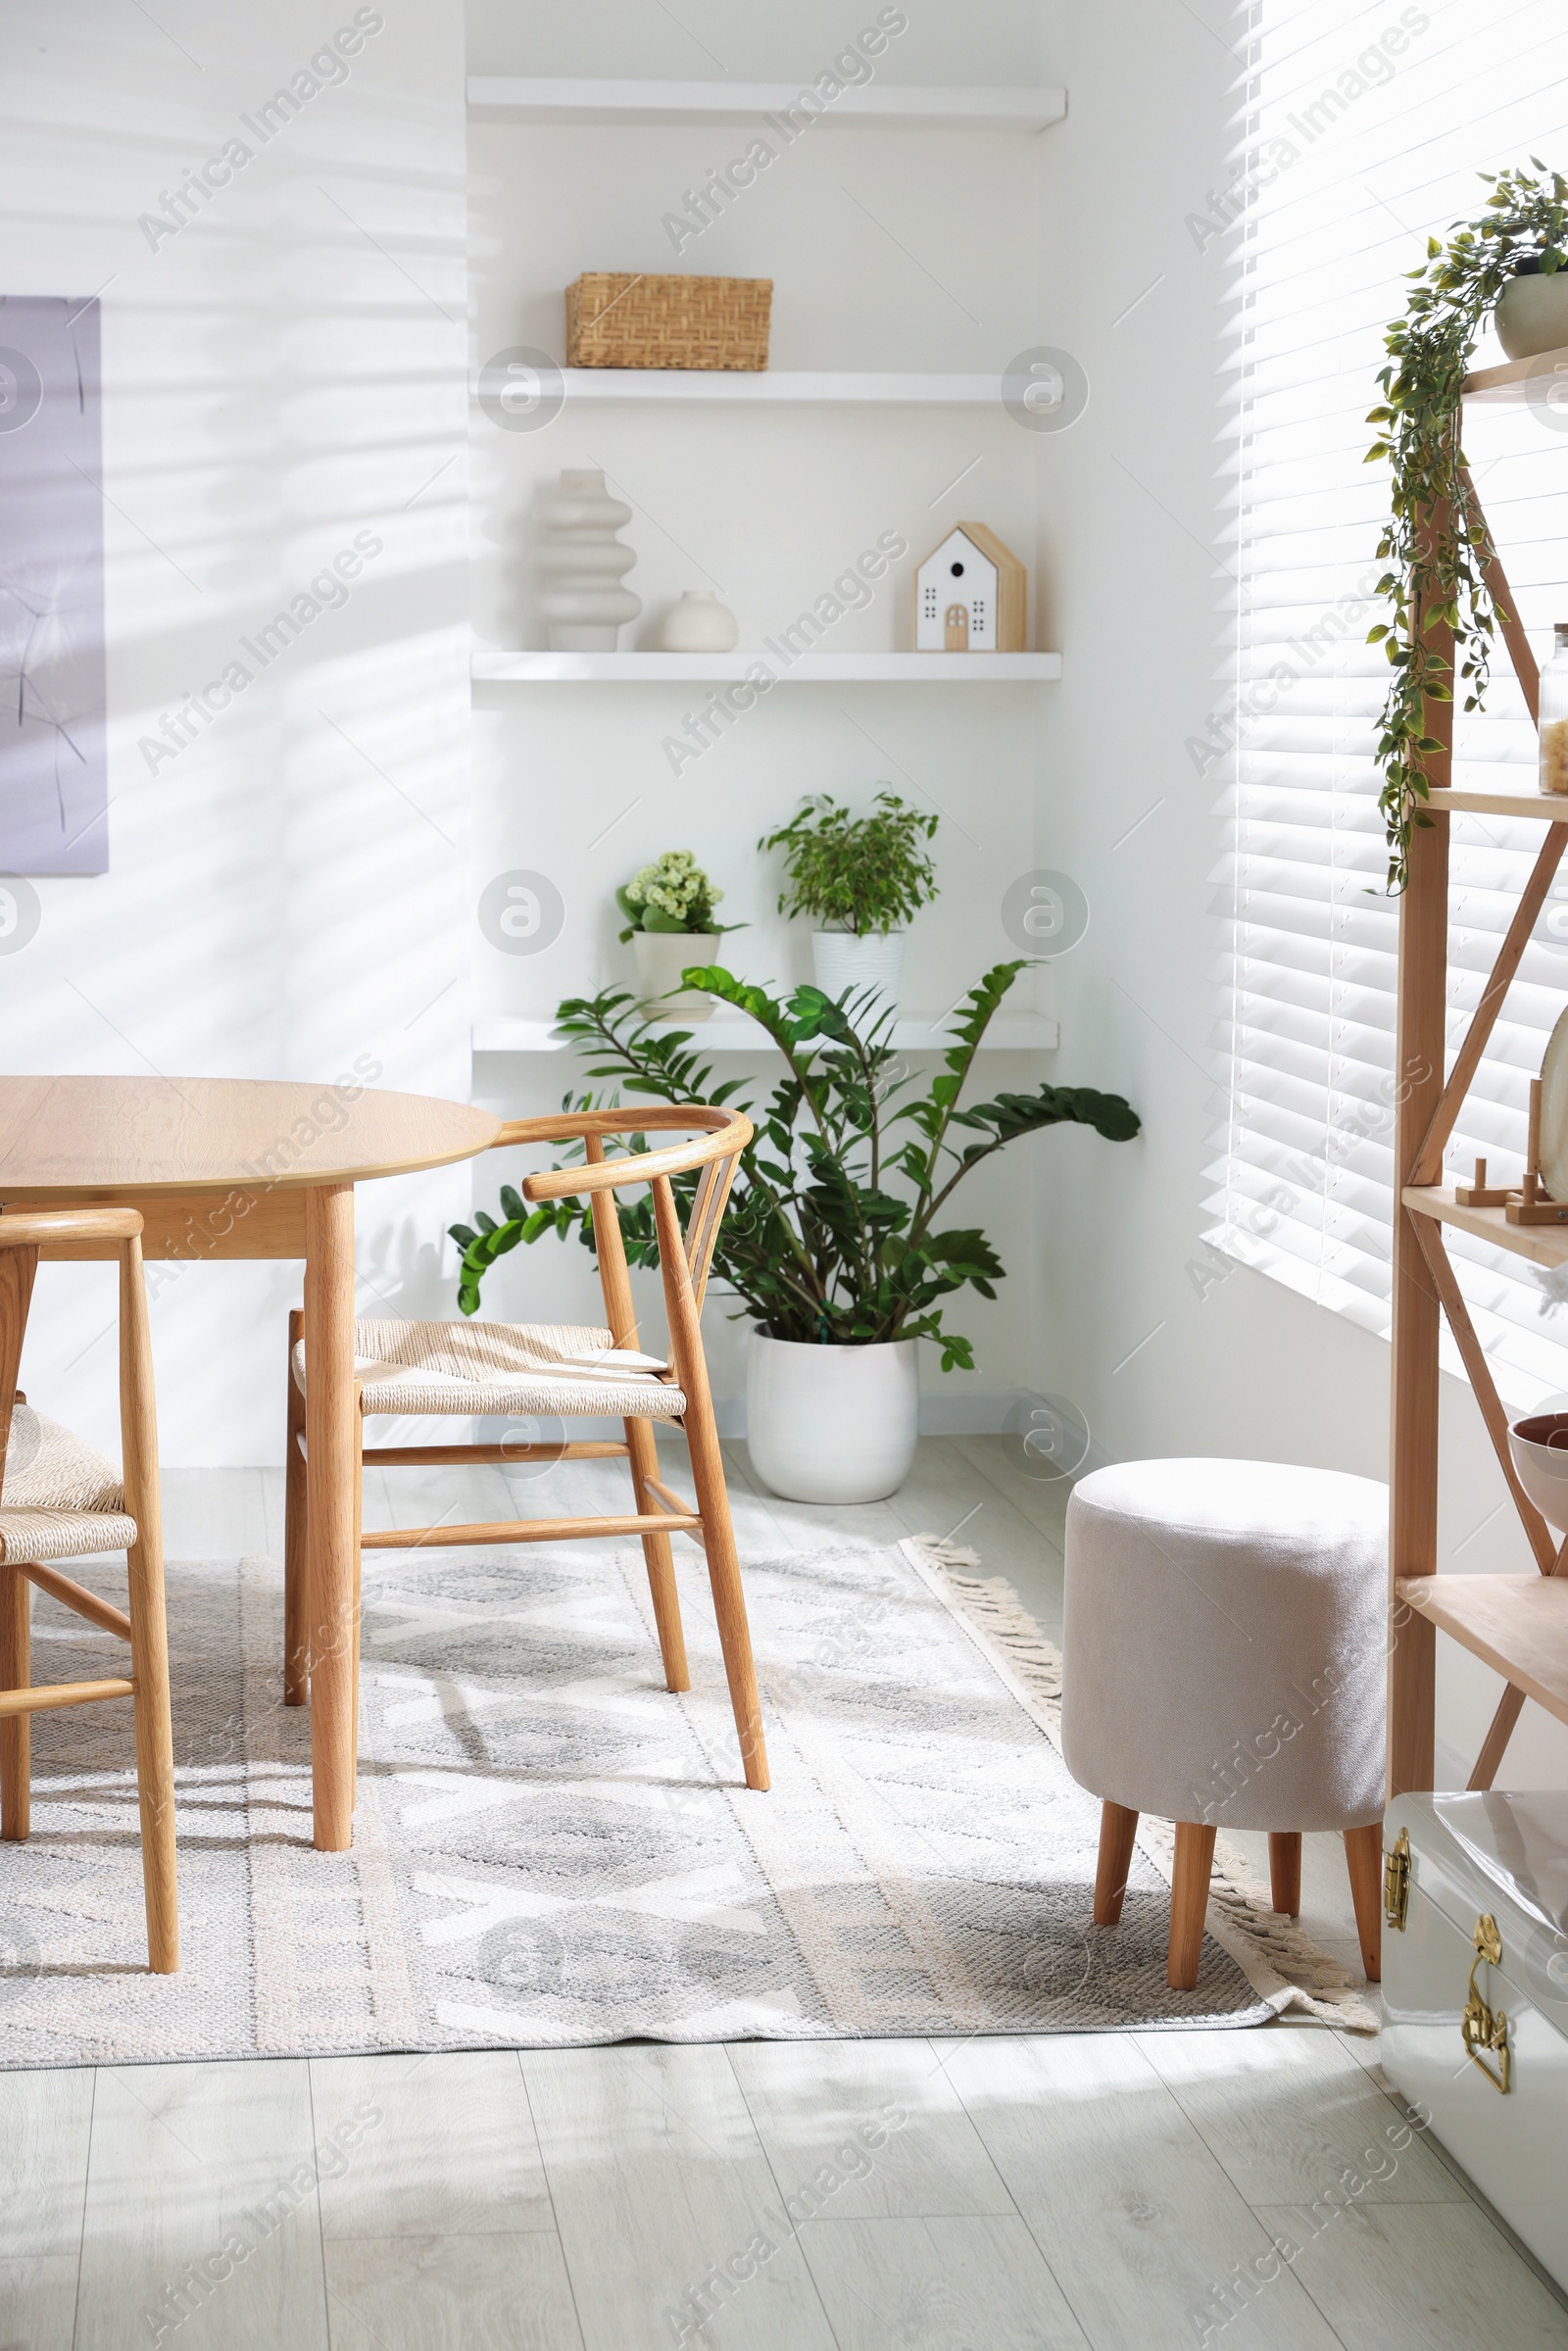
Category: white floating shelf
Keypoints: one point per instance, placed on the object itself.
(494, 666)
(735, 1033)
(764, 386)
(528, 98)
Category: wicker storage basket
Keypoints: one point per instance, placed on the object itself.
(617, 319)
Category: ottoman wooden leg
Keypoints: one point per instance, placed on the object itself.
(1363, 1850)
(1284, 1871)
(1117, 1829)
(1189, 1901)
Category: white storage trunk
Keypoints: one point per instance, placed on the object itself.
(1480, 1861)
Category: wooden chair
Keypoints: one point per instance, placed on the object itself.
(63, 1502)
(490, 1370)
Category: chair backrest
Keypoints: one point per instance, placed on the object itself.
(28, 1233)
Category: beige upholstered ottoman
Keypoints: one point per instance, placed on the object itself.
(1225, 1649)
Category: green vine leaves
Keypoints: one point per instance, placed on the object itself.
(1436, 542)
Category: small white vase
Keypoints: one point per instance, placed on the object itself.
(1532, 315)
(831, 1424)
(858, 960)
(661, 958)
(582, 563)
(699, 623)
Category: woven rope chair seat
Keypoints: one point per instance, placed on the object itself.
(497, 1370)
(59, 1499)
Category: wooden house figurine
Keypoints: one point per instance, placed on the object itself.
(971, 594)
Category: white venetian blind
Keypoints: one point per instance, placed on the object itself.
(1361, 130)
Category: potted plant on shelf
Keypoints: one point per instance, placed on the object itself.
(669, 907)
(864, 878)
(1437, 541)
(832, 1245)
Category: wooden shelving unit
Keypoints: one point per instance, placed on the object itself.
(527, 98)
(734, 1033)
(821, 387)
(1516, 383)
(495, 667)
(1518, 1623)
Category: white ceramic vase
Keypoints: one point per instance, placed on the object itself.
(582, 563)
(699, 623)
(1532, 315)
(661, 958)
(831, 1424)
(858, 960)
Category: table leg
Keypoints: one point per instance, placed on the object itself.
(329, 1401)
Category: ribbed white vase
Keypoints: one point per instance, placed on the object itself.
(582, 563)
(858, 960)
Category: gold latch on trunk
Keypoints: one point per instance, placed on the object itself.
(1397, 1881)
(1478, 2028)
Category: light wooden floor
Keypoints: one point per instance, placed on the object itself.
(1120, 2192)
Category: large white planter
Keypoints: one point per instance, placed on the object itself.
(831, 1424)
(661, 958)
(858, 960)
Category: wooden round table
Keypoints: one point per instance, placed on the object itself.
(224, 1167)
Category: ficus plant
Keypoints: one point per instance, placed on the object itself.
(835, 1230)
(856, 873)
(1437, 541)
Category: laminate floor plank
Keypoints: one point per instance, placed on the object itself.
(879, 2117)
(666, 2204)
(945, 1494)
(1031, 1483)
(1290, 2115)
(45, 2136)
(1416, 2278)
(452, 2293)
(201, 2209)
(434, 2146)
(938, 2285)
(1134, 2217)
(810, 1526)
(38, 2302)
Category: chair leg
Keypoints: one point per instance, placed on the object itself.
(1363, 1851)
(358, 1555)
(149, 1629)
(1189, 1902)
(1117, 1829)
(296, 1548)
(644, 1455)
(1284, 1871)
(725, 1578)
(16, 1673)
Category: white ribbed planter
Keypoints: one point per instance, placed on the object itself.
(661, 958)
(858, 960)
(831, 1424)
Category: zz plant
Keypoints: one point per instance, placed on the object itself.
(1436, 540)
(833, 1233)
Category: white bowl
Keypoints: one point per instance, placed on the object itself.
(1539, 1444)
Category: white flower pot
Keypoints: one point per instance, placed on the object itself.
(661, 958)
(858, 960)
(831, 1424)
(1532, 315)
(699, 623)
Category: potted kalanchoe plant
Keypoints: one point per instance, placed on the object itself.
(834, 1246)
(864, 878)
(669, 907)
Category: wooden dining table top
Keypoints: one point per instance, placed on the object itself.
(86, 1135)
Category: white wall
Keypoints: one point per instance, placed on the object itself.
(1133, 1330)
(283, 373)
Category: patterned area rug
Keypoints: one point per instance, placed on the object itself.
(551, 1849)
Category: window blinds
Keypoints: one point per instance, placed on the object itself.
(1361, 130)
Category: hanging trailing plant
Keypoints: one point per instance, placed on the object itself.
(1435, 541)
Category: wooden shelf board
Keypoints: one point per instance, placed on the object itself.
(1483, 802)
(495, 666)
(1518, 1623)
(734, 1033)
(528, 98)
(1512, 385)
(1544, 1244)
(764, 386)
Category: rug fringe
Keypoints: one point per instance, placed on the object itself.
(1279, 1958)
